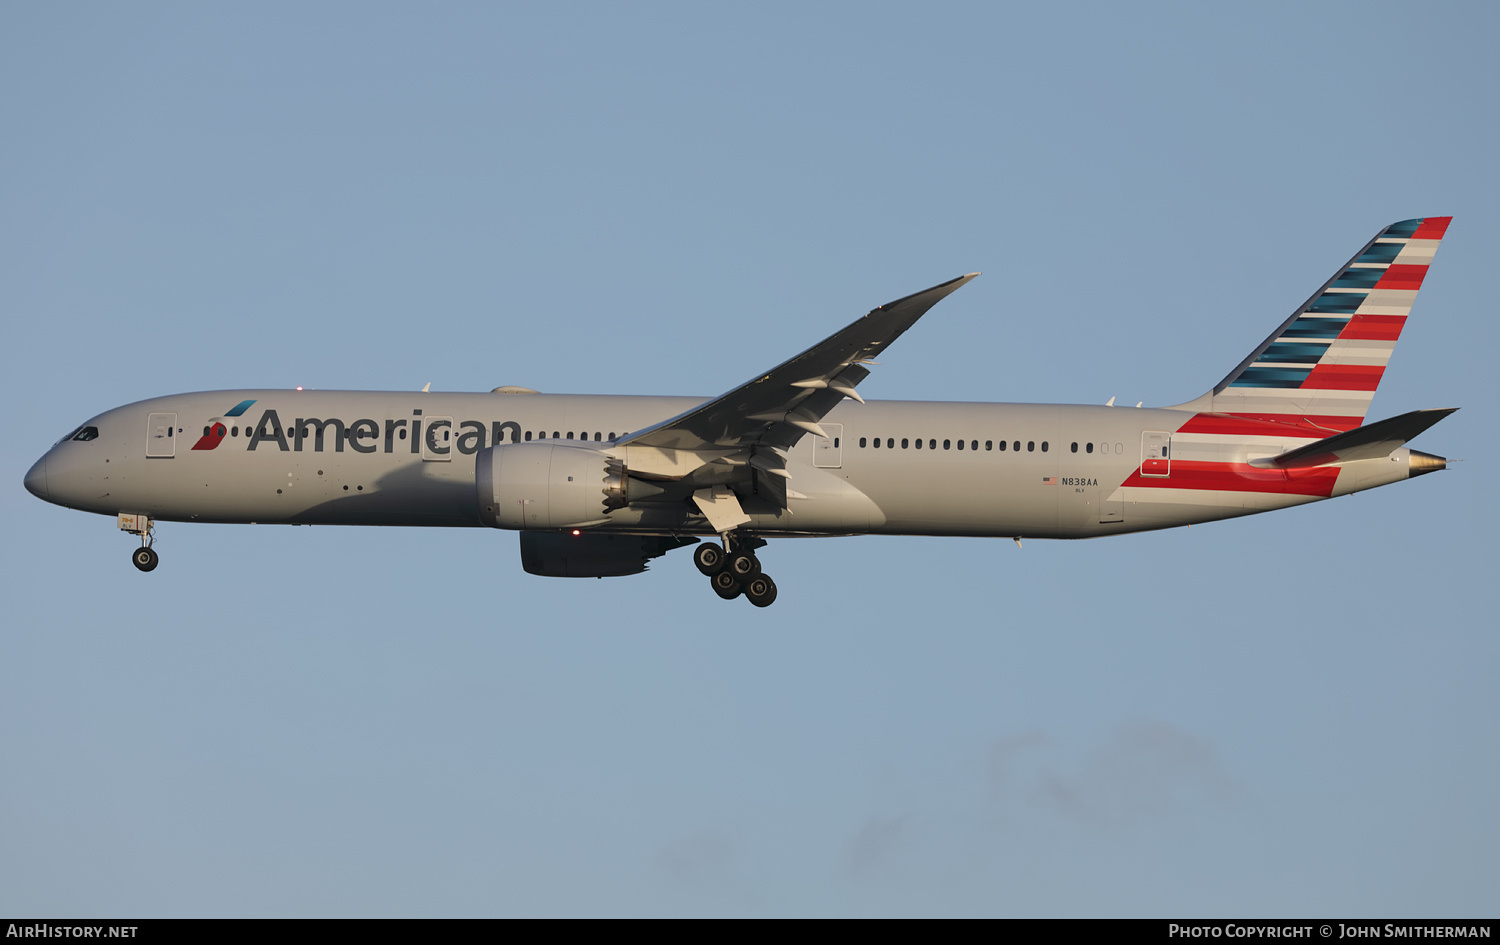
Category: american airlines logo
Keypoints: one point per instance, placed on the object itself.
(315, 434)
(216, 431)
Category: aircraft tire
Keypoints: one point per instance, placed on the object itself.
(744, 565)
(709, 558)
(761, 591)
(145, 559)
(726, 585)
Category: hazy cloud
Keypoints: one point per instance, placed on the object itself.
(873, 846)
(1144, 768)
(1005, 757)
(706, 858)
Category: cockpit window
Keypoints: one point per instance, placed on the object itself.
(82, 434)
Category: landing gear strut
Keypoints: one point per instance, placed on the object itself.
(144, 557)
(734, 569)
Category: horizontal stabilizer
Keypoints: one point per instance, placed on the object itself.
(1371, 441)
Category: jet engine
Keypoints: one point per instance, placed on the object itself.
(545, 485)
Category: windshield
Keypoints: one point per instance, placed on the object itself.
(82, 434)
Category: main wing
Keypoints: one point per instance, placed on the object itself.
(777, 408)
(736, 444)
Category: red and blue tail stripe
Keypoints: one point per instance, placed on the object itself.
(1321, 368)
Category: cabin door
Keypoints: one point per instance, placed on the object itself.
(1156, 454)
(161, 436)
(828, 451)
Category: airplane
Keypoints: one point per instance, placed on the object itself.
(597, 486)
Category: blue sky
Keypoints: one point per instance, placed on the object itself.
(1288, 715)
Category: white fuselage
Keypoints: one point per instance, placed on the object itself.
(376, 458)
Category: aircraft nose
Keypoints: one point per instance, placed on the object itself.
(36, 479)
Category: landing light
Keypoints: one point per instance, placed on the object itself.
(576, 532)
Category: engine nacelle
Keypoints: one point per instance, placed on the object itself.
(544, 485)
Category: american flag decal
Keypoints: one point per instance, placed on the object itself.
(1049, 480)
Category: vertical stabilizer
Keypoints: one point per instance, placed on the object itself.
(1321, 367)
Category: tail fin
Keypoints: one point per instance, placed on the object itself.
(1321, 367)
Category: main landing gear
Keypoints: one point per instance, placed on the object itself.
(734, 570)
(144, 557)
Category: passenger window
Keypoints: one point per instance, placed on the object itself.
(1088, 447)
(890, 442)
(877, 442)
(904, 442)
(528, 436)
(861, 442)
(556, 435)
(611, 435)
(1017, 447)
(989, 445)
(932, 444)
(1075, 447)
(960, 444)
(1031, 446)
(836, 442)
(1002, 446)
(947, 444)
(919, 443)
(1044, 446)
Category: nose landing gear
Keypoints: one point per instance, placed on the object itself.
(734, 569)
(144, 557)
